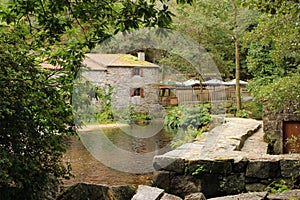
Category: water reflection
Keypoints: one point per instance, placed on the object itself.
(85, 158)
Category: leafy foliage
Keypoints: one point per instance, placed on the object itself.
(187, 123)
(88, 21)
(35, 105)
(276, 35)
(185, 116)
(185, 136)
(254, 109)
(211, 25)
(104, 96)
(131, 115)
(284, 92)
(278, 186)
(34, 118)
(242, 113)
(273, 52)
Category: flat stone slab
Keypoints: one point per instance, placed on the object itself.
(170, 197)
(245, 196)
(224, 142)
(293, 194)
(147, 192)
(221, 142)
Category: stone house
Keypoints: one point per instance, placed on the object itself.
(282, 129)
(134, 80)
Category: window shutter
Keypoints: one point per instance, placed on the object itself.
(142, 93)
(131, 92)
(132, 72)
(141, 72)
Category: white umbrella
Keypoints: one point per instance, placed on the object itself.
(214, 82)
(233, 82)
(191, 82)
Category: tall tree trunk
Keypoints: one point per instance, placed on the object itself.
(237, 60)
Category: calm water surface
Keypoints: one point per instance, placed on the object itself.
(134, 154)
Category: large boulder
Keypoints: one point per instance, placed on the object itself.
(84, 191)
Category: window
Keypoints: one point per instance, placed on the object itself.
(137, 92)
(137, 71)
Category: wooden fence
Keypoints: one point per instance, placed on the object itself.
(196, 95)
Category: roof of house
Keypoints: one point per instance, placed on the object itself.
(97, 61)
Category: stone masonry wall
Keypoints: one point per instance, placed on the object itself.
(122, 80)
(224, 176)
(273, 126)
(217, 165)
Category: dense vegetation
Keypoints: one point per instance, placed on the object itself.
(268, 42)
(187, 122)
(34, 116)
(35, 106)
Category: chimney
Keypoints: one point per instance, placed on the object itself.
(141, 56)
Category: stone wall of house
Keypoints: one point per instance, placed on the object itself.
(223, 177)
(122, 80)
(273, 126)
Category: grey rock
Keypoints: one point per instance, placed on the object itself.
(240, 165)
(145, 192)
(169, 163)
(289, 195)
(122, 192)
(217, 166)
(170, 197)
(263, 169)
(83, 191)
(245, 196)
(217, 171)
(233, 184)
(195, 196)
(184, 185)
(252, 187)
(290, 168)
(162, 179)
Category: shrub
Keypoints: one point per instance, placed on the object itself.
(187, 116)
(130, 115)
(188, 122)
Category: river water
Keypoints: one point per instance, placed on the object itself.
(111, 156)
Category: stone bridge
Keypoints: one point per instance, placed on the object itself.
(230, 159)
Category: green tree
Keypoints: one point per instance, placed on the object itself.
(35, 105)
(211, 24)
(277, 31)
(273, 55)
(35, 116)
(281, 94)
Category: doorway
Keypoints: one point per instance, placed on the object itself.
(291, 137)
